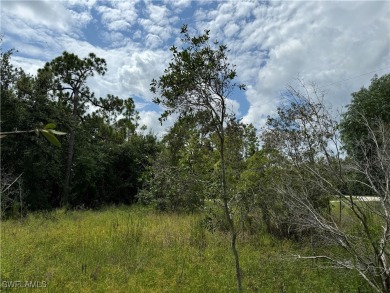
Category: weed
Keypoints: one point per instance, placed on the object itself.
(135, 249)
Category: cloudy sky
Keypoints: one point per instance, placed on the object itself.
(339, 45)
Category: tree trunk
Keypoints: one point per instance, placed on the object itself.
(72, 139)
(229, 217)
(69, 162)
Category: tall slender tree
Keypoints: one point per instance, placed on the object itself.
(69, 74)
(199, 80)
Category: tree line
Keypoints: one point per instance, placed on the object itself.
(101, 159)
(299, 176)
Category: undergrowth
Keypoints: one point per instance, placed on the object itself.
(136, 249)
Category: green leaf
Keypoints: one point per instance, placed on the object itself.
(56, 132)
(50, 126)
(50, 137)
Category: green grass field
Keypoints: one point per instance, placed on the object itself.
(136, 249)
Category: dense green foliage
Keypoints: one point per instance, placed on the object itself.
(108, 156)
(368, 111)
(368, 107)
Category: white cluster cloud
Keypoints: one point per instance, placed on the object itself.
(150, 119)
(137, 72)
(82, 3)
(158, 25)
(338, 45)
(120, 17)
(34, 20)
(39, 14)
(324, 42)
(179, 5)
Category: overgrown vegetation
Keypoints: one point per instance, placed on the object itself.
(133, 249)
(101, 159)
(211, 181)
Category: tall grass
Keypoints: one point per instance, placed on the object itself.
(135, 249)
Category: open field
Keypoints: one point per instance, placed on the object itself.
(135, 249)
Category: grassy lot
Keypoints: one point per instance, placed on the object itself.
(135, 249)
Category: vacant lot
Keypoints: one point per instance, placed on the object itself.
(135, 249)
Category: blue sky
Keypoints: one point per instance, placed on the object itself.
(339, 45)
